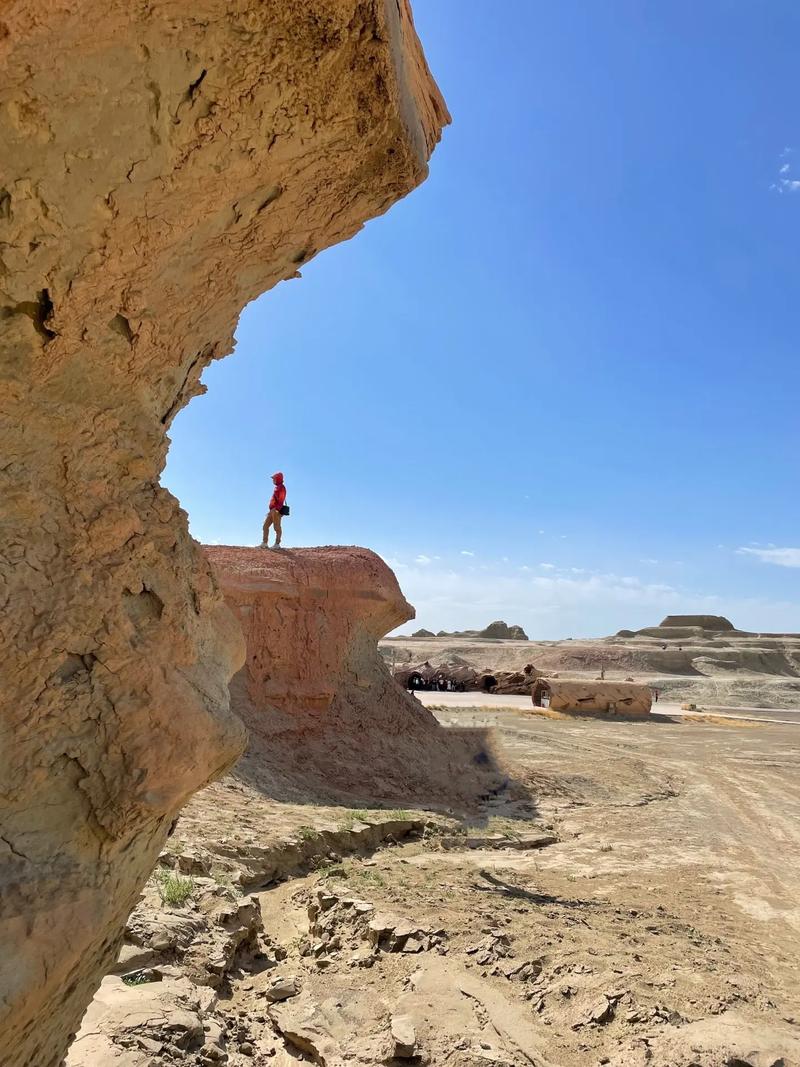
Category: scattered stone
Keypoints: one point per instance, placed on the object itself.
(600, 1011)
(391, 933)
(282, 989)
(304, 1025)
(152, 1016)
(403, 1036)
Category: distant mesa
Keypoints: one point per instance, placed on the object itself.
(502, 630)
(704, 622)
(498, 631)
(676, 627)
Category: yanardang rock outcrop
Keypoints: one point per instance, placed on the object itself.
(325, 717)
(162, 164)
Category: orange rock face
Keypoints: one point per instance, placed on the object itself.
(162, 165)
(321, 706)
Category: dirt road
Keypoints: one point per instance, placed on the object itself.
(662, 928)
(628, 898)
(787, 716)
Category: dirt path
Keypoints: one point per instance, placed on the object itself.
(629, 898)
(661, 928)
(663, 709)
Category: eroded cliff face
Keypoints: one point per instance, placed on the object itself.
(323, 712)
(162, 164)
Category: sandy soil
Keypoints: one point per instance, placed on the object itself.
(659, 929)
(629, 897)
(759, 670)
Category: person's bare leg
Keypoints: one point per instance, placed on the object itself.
(265, 531)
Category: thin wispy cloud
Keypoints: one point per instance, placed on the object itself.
(785, 183)
(781, 557)
(423, 560)
(466, 552)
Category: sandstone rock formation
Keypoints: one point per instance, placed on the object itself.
(162, 166)
(572, 697)
(321, 707)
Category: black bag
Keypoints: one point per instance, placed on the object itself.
(285, 509)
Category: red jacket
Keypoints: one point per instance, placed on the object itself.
(278, 498)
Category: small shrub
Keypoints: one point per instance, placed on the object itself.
(136, 978)
(173, 888)
(307, 833)
(397, 813)
(368, 876)
(504, 827)
(349, 819)
(328, 869)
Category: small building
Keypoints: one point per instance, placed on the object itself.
(574, 697)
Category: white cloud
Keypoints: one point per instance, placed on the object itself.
(784, 184)
(781, 557)
(423, 560)
(560, 603)
(464, 552)
(548, 566)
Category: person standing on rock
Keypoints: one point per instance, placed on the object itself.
(277, 509)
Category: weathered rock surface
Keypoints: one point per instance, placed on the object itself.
(127, 1024)
(614, 698)
(321, 706)
(162, 166)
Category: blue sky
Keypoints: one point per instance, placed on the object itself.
(558, 384)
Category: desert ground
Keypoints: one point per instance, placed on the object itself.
(733, 669)
(626, 895)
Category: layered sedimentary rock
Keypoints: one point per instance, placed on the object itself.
(573, 697)
(320, 704)
(162, 164)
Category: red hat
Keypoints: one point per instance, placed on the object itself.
(277, 476)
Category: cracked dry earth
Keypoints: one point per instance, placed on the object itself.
(628, 899)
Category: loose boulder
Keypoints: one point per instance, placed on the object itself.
(578, 697)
